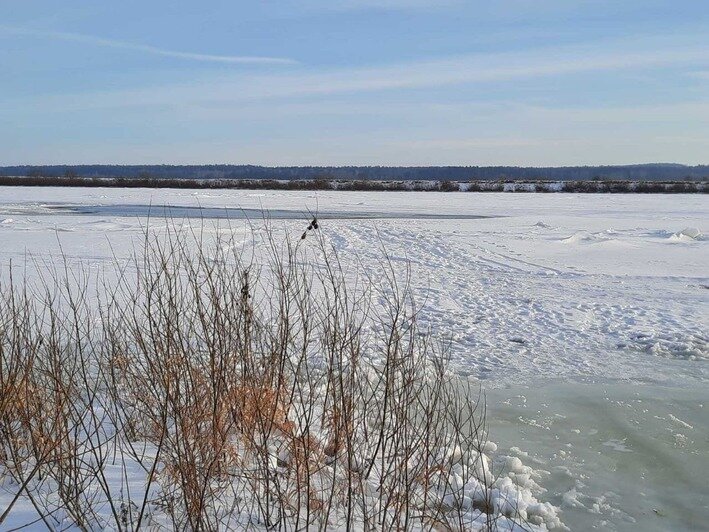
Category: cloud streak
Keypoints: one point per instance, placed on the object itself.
(153, 50)
(464, 71)
(378, 5)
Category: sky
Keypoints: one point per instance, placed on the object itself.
(354, 82)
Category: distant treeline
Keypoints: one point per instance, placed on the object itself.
(640, 172)
(600, 186)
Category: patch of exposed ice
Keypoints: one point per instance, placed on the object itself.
(680, 440)
(680, 422)
(617, 445)
(571, 499)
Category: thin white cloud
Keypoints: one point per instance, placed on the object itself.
(123, 45)
(452, 71)
(457, 117)
(700, 75)
(682, 112)
(371, 5)
(232, 91)
(390, 4)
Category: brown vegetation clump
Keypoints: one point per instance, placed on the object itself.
(243, 391)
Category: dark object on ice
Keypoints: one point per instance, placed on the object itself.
(312, 225)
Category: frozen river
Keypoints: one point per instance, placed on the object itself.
(583, 317)
(225, 213)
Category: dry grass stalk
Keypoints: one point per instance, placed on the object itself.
(263, 386)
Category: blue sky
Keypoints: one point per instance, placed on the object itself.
(393, 82)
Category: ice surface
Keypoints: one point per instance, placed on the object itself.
(549, 285)
(583, 288)
(618, 457)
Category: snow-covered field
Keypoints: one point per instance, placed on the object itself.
(547, 285)
(583, 316)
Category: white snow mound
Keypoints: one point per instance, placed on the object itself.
(583, 237)
(687, 235)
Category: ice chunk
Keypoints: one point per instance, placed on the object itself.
(687, 234)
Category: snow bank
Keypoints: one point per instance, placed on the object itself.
(583, 237)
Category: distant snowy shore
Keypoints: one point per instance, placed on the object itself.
(576, 186)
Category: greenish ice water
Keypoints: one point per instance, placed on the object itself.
(614, 455)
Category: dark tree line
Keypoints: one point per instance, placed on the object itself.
(644, 172)
(588, 186)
